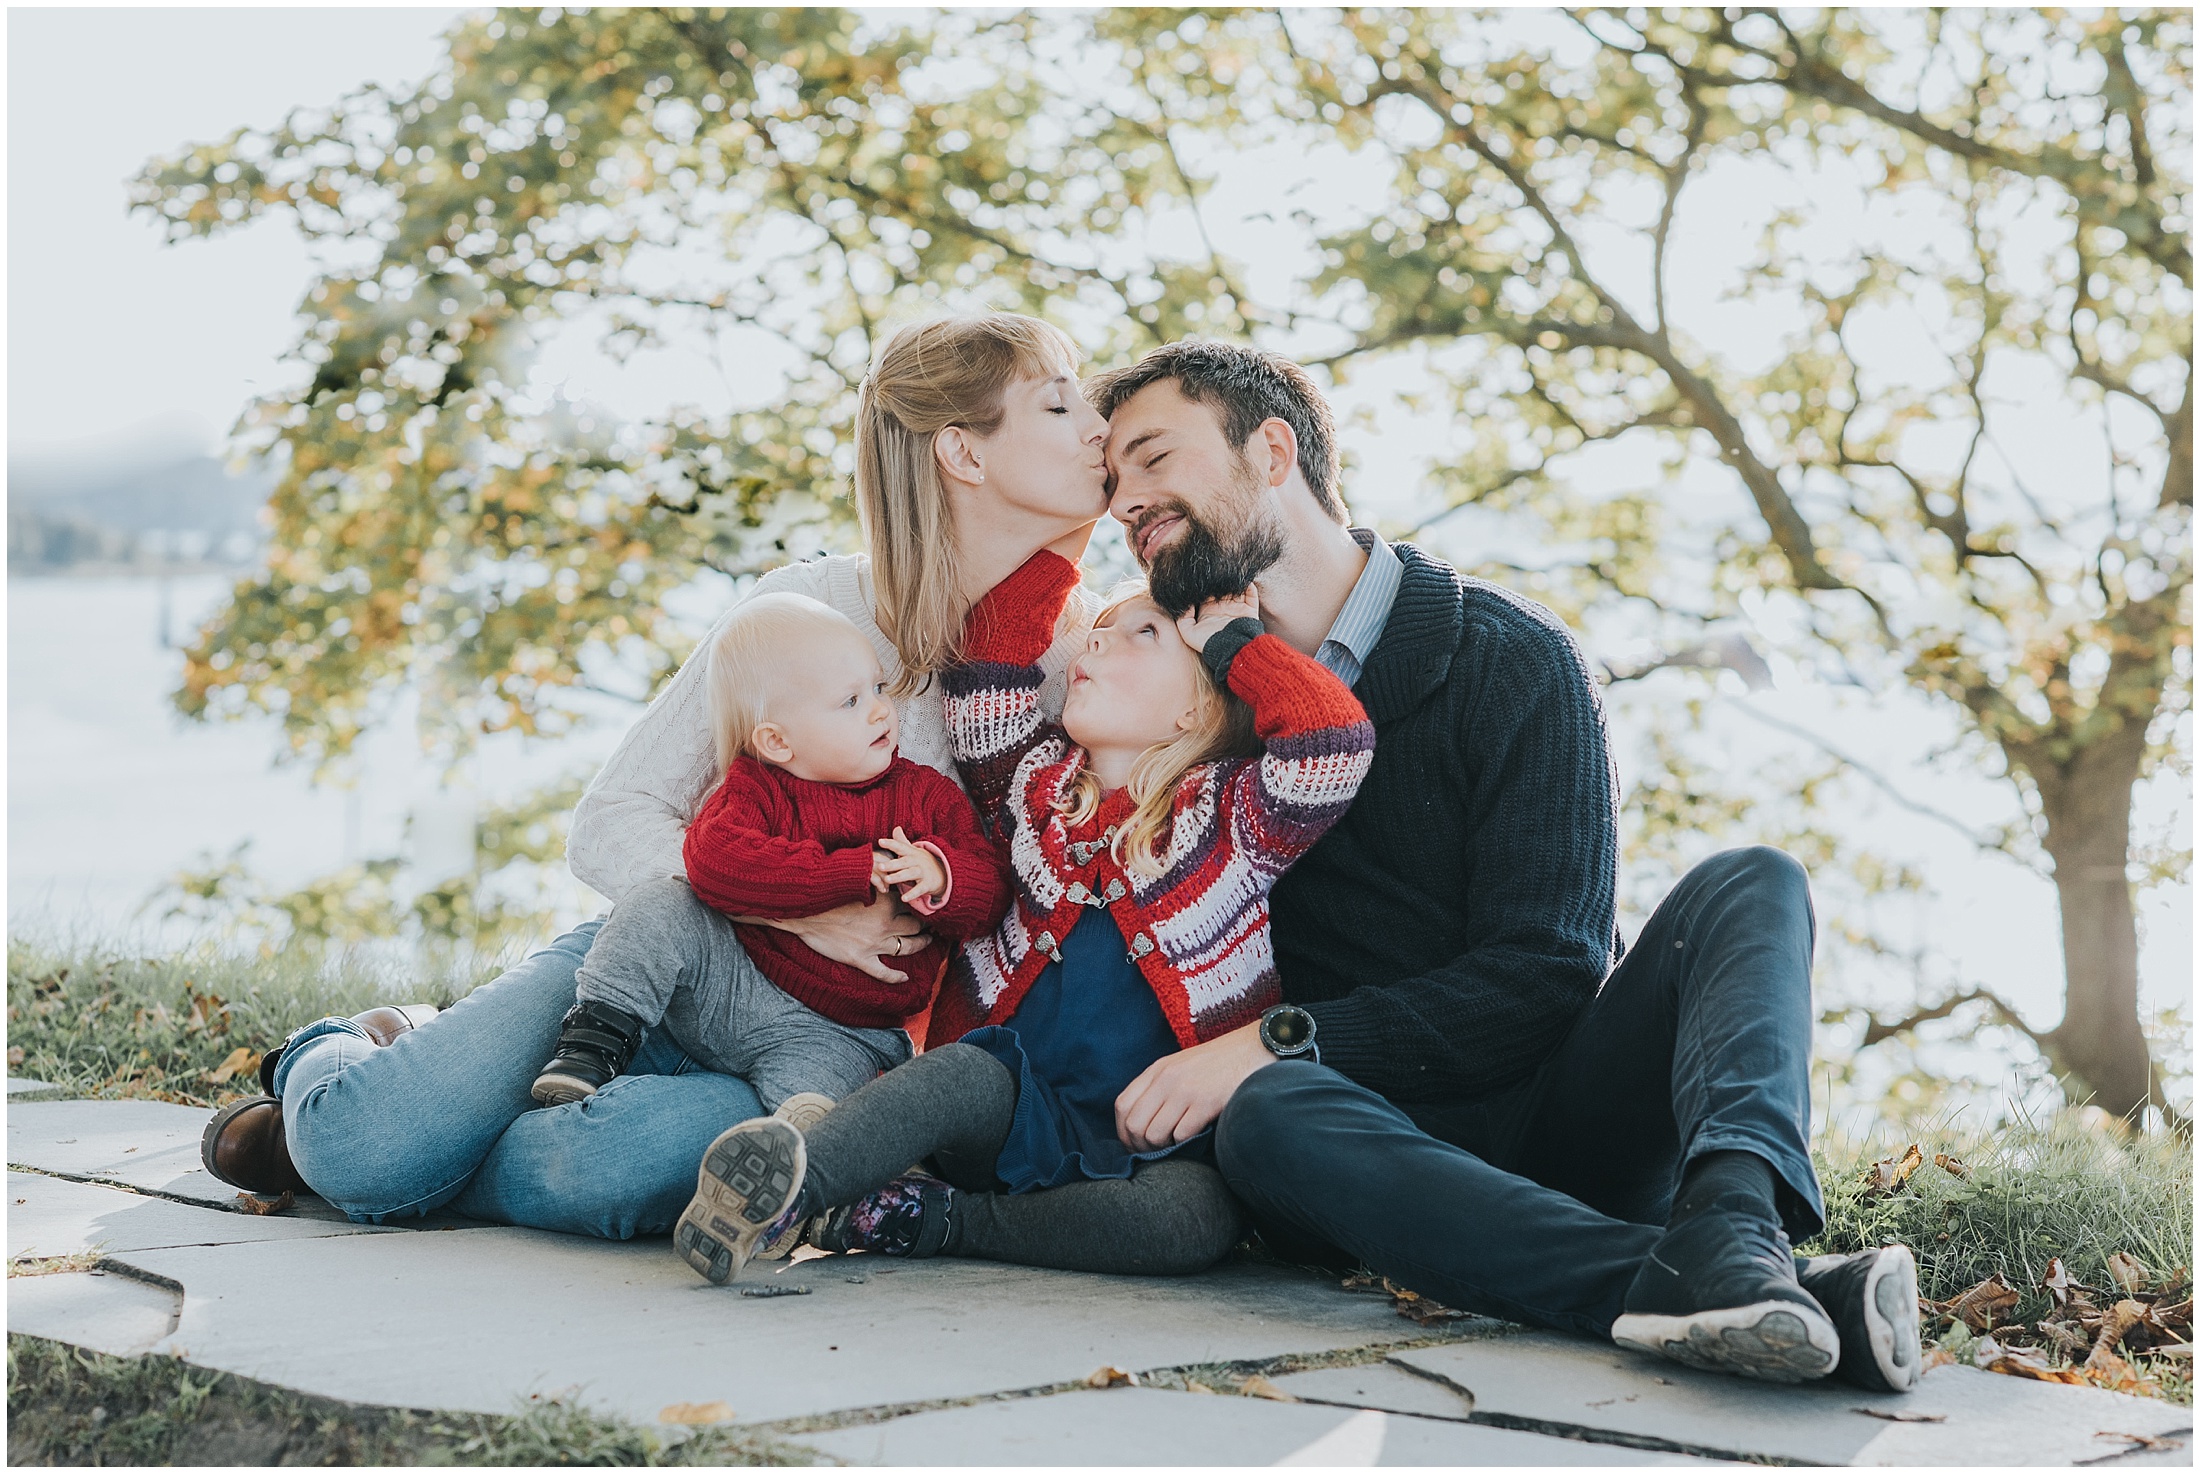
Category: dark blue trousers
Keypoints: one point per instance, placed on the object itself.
(1539, 1203)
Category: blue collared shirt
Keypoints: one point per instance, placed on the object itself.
(1366, 610)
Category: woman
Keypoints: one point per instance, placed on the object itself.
(975, 449)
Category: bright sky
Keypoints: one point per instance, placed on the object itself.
(115, 339)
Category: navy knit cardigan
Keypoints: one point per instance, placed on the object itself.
(1448, 932)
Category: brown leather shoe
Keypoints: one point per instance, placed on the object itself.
(383, 1024)
(244, 1147)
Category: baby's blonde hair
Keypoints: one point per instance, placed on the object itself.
(1224, 729)
(747, 654)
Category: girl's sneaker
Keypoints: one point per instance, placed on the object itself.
(906, 1219)
(745, 1194)
(802, 1112)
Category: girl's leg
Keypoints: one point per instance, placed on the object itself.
(955, 1105)
(389, 1132)
(1168, 1217)
(955, 1102)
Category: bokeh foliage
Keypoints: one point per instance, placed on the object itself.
(786, 181)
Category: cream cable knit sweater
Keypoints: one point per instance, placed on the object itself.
(629, 824)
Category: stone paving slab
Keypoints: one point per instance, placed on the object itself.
(1380, 1385)
(481, 1319)
(147, 1144)
(52, 1216)
(1134, 1425)
(105, 1312)
(17, 1085)
(1560, 1381)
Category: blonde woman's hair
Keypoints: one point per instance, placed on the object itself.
(747, 655)
(1224, 730)
(929, 376)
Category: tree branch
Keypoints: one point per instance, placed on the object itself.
(1877, 1030)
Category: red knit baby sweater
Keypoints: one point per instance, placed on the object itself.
(773, 845)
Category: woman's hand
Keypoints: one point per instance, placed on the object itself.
(1202, 622)
(863, 935)
(901, 861)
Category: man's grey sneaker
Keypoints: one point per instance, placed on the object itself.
(1872, 1297)
(745, 1194)
(1719, 1293)
(802, 1112)
(595, 1044)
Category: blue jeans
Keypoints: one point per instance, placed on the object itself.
(442, 1116)
(1540, 1202)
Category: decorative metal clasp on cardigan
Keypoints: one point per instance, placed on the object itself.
(1046, 944)
(1082, 851)
(1140, 946)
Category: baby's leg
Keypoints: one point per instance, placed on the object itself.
(659, 943)
(659, 938)
(734, 1020)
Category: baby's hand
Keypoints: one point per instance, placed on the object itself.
(1202, 622)
(900, 861)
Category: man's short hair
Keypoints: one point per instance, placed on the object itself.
(1246, 387)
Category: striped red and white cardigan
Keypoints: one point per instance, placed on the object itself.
(1198, 931)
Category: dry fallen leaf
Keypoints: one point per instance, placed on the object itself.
(1201, 1387)
(2013, 1362)
(246, 1203)
(2179, 1349)
(15, 1055)
(695, 1414)
(2128, 1273)
(1985, 1303)
(1259, 1386)
(2144, 1442)
(1938, 1357)
(239, 1061)
(1898, 1417)
(1885, 1178)
(2057, 1282)
(1950, 1164)
(1111, 1377)
(2069, 1342)
(2104, 1368)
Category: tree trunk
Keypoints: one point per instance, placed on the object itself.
(2098, 1047)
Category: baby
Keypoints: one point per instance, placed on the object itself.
(814, 810)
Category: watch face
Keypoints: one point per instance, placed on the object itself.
(1287, 1028)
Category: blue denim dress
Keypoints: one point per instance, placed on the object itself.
(1087, 1028)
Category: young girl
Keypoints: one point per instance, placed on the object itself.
(1145, 832)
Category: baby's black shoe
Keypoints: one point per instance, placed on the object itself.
(594, 1048)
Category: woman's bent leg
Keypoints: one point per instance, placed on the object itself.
(1168, 1217)
(395, 1131)
(621, 1162)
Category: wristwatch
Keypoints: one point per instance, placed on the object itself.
(1288, 1032)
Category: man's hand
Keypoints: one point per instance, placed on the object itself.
(1202, 622)
(901, 861)
(1180, 1094)
(861, 934)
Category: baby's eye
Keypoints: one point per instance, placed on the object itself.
(1057, 409)
(879, 689)
(851, 701)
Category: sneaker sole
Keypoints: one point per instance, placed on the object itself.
(802, 1112)
(1771, 1341)
(556, 1090)
(749, 1177)
(1890, 1317)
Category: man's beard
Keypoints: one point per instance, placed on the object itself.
(1203, 564)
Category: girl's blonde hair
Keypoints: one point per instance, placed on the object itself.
(929, 376)
(748, 654)
(1224, 730)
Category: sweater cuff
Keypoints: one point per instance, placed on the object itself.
(1223, 647)
(846, 877)
(932, 905)
(1351, 1043)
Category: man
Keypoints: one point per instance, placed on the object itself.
(1461, 1090)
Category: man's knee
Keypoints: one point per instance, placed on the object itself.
(1253, 1135)
(1756, 867)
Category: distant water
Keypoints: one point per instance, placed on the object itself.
(111, 792)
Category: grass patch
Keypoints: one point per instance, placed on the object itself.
(70, 1406)
(99, 1022)
(2071, 1186)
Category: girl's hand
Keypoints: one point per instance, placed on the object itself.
(900, 861)
(1202, 622)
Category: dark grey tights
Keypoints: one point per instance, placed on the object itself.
(954, 1105)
